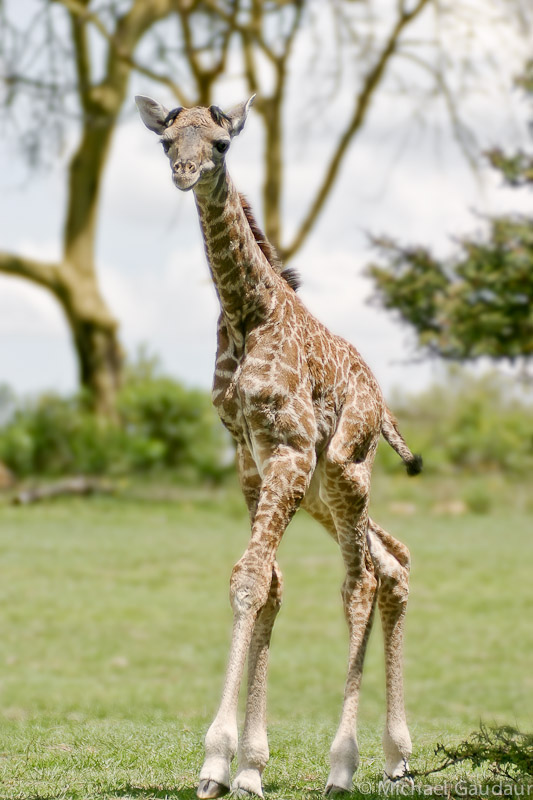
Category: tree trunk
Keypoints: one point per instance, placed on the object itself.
(100, 360)
(94, 329)
(95, 338)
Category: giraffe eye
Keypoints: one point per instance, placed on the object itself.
(222, 145)
(166, 145)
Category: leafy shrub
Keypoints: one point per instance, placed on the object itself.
(478, 499)
(162, 425)
(467, 423)
(470, 423)
(172, 426)
(506, 751)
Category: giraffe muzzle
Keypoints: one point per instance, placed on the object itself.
(185, 174)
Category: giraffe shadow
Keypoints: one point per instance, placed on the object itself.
(152, 793)
(129, 791)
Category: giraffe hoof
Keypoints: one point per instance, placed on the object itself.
(247, 784)
(399, 782)
(244, 794)
(208, 789)
(397, 774)
(335, 791)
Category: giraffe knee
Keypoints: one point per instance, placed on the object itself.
(394, 589)
(363, 583)
(391, 560)
(358, 593)
(396, 582)
(250, 585)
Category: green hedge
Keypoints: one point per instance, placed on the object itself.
(162, 426)
(466, 422)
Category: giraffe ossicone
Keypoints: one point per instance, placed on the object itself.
(306, 414)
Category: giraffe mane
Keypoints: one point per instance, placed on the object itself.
(269, 251)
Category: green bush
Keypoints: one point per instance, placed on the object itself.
(466, 423)
(479, 424)
(162, 426)
(478, 499)
(173, 427)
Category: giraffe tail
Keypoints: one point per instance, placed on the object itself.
(389, 429)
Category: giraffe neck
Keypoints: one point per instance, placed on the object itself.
(243, 278)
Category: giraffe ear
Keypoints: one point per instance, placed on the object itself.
(237, 116)
(153, 114)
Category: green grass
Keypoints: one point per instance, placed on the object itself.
(115, 625)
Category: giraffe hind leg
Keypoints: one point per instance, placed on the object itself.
(359, 602)
(391, 563)
(345, 489)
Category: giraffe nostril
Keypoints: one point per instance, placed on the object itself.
(185, 167)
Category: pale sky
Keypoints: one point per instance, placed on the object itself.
(151, 259)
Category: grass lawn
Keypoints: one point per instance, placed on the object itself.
(115, 625)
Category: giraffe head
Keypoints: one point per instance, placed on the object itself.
(195, 140)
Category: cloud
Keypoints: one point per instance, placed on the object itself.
(150, 253)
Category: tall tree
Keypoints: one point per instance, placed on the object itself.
(479, 302)
(73, 280)
(73, 59)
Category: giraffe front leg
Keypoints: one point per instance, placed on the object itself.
(249, 590)
(253, 748)
(222, 736)
(221, 739)
(284, 484)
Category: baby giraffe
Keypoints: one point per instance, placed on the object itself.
(306, 414)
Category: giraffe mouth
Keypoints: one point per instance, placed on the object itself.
(186, 182)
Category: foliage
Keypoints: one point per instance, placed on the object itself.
(466, 423)
(7, 402)
(174, 426)
(479, 302)
(507, 751)
(162, 425)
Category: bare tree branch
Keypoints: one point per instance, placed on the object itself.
(370, 84)
(82, 57)
(43, 273)
(77, 9)
(251, 31)
(463, 136)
